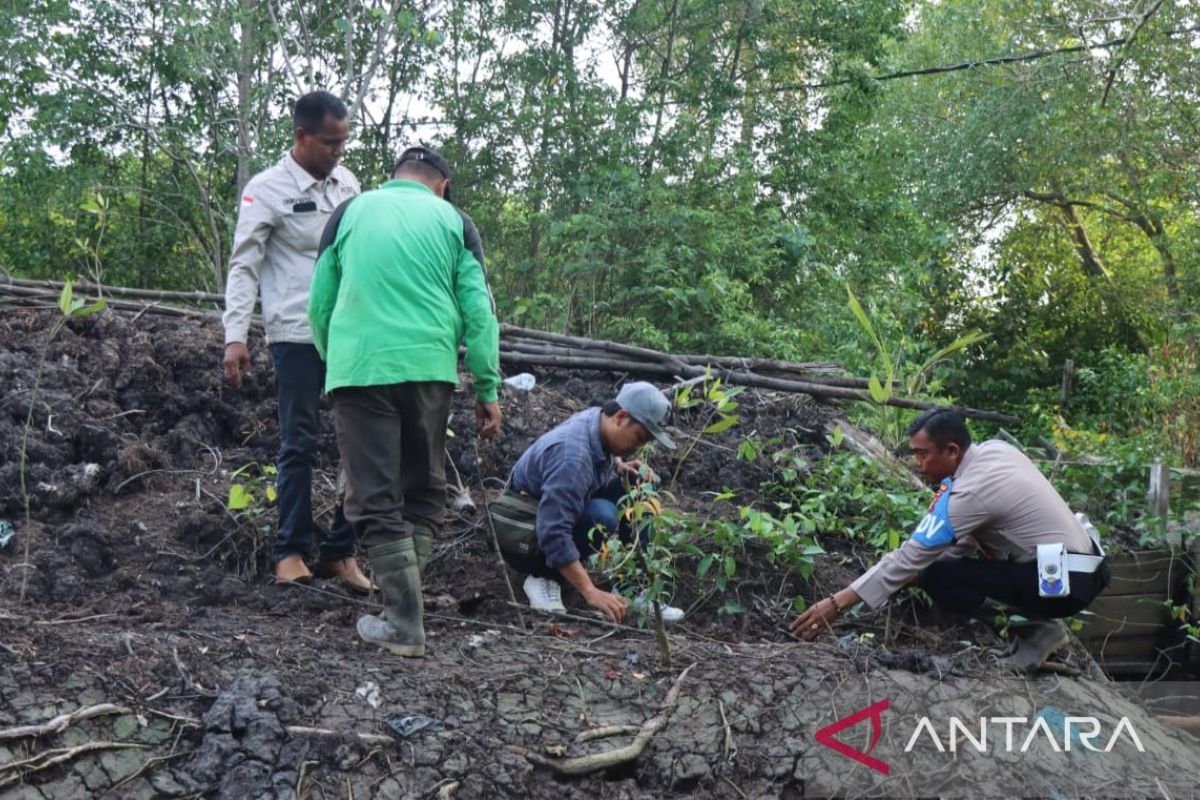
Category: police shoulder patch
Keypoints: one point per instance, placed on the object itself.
(935, 529)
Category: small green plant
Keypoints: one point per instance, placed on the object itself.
(894, 371)
(252, 493)
(717, 416)
(847, 494)
(646, 565)
(96, 205)
(70, 307)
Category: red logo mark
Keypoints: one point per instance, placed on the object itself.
(875, 714)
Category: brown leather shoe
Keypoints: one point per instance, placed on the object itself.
(292, 569)
(348, 572)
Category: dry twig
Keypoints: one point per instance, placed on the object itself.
(365, 738)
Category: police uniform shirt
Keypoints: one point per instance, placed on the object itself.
(997, 505)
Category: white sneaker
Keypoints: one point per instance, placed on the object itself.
(669, 613)
(544, 595)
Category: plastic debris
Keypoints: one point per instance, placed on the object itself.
(408, 724)
(480, 639)
(462, 500)
(6, 532)
(369, 691)
(523, 381)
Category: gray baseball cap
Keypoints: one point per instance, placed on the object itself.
(647, 405)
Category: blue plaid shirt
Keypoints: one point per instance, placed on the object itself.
(563, 469)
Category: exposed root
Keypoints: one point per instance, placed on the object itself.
(62, 721)
(50, 758)
(605, 732)
(582, 765)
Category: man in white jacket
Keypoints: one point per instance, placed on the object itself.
(282, 213)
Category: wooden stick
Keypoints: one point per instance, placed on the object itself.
(516, 345)
(121, 291)
(62, 721)
(582, 765)
(591, 344)
(740, 379)
(367, 738)
(21, 294)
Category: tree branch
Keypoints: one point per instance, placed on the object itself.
(1124, 52)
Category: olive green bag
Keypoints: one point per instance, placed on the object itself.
(514, 518)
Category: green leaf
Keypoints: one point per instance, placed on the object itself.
(272, 495)
(64, 298)
(730, 566)
(861, 315)
(705, 565)
(239, 497)
(82, 311)
(837, 437)
(878, 393)
(723, 424)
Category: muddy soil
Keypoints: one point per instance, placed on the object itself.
(142, 590)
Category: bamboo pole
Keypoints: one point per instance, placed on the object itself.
(122, 291)
(736, 378)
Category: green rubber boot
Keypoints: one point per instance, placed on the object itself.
(423, 544)
(402, 632)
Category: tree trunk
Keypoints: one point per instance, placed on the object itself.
(245, 77)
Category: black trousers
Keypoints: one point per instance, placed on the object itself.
(299, 375)
(960, 585)
(392, 440)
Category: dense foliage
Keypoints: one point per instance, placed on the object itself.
(689, 174)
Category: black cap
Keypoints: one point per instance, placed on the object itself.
(431, 157)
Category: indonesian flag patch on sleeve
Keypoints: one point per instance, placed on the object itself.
(247, 199)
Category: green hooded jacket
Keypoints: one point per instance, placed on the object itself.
(395, 292)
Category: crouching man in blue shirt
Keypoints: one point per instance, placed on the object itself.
(561, 500)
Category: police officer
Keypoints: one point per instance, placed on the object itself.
(980, 541)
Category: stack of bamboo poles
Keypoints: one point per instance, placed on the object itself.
(524, 347)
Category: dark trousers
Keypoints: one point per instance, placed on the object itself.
(960, 585)
(598, 522)
(299, 378)
(393, 444)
